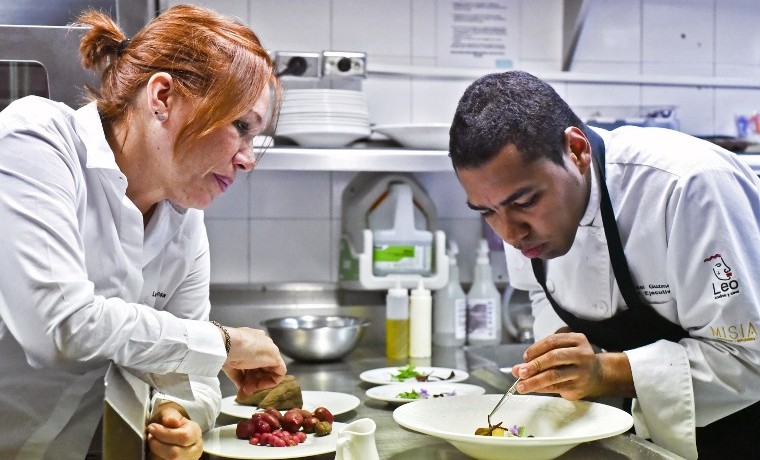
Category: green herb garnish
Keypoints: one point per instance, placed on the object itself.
(409, 395)
(407, 372)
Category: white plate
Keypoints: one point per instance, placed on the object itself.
(428, 136)
(383, 375)
(336, 403)
(222, 442)
(389, 393)
(557, 424)
(327, 136)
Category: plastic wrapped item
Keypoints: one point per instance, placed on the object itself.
(615, 116)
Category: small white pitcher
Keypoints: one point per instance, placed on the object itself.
(356, 441)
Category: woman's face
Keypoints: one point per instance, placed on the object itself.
(209, 167)
(535, 207)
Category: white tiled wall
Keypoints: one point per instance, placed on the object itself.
(284, 226)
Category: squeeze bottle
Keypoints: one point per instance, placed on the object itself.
(420, 322)
(483, 303)
(450, 307)
(397, 322)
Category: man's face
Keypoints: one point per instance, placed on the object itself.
(534, 206)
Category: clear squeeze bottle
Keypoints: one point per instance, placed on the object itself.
(483, 303)
(397, 323)
(450, 307)
(420, 322)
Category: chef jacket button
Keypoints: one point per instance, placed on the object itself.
(550, 285)
(601, 306)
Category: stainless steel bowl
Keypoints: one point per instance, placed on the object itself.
(316, 338)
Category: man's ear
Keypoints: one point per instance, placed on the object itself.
(577, 148)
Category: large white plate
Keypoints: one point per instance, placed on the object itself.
(222, 442)
(336, 403)
(383, 375)
(428, 136)
(556, 424)
(389, 393)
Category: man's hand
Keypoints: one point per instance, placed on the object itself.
(173, 436)
(566, 364)
(254, 361)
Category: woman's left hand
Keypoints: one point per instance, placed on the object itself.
(173, 436)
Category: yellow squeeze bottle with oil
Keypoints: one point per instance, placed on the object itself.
(397, 323)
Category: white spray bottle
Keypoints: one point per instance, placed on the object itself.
(483, 303)
(450, 307)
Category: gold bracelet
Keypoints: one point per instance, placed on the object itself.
(227, 340)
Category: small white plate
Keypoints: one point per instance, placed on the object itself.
(336, 403)
(383, 375)
(222, 442)
(389, 393)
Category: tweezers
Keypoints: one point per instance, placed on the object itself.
(503, 399)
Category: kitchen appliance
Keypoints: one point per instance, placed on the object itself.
(385, 220)
(40, 53)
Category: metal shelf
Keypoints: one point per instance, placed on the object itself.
(355, 159)
(378, 159)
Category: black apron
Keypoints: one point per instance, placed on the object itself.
(639, 325)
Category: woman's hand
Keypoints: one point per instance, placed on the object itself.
(254, 361)
(566, 364)
(173, 436)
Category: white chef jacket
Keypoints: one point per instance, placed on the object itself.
(688, 214)
(85, 284)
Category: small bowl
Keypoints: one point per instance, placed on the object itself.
(314, 338)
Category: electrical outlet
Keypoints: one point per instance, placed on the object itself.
(298, 64)
(344, 63)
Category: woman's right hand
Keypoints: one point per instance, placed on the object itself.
(254, 361)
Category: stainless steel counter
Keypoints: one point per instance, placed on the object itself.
(397, 443)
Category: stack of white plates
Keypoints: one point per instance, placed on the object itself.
(323, 117)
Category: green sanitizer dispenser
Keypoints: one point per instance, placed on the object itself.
(389, 232)
(402, 248)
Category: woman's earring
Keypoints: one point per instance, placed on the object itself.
(160, 116)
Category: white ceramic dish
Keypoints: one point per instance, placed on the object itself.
(336, 403)
(428, 136)
(326, 136)
(390, 393)
(222, 442)
(384, 374)
(557, 425)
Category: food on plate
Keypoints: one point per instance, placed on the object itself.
(274, 429)
(424, 394)
(323, 428)
(286, 395)
(498, 431)
(324, 415)
(410, 371)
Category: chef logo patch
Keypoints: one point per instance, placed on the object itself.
(725, 283)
